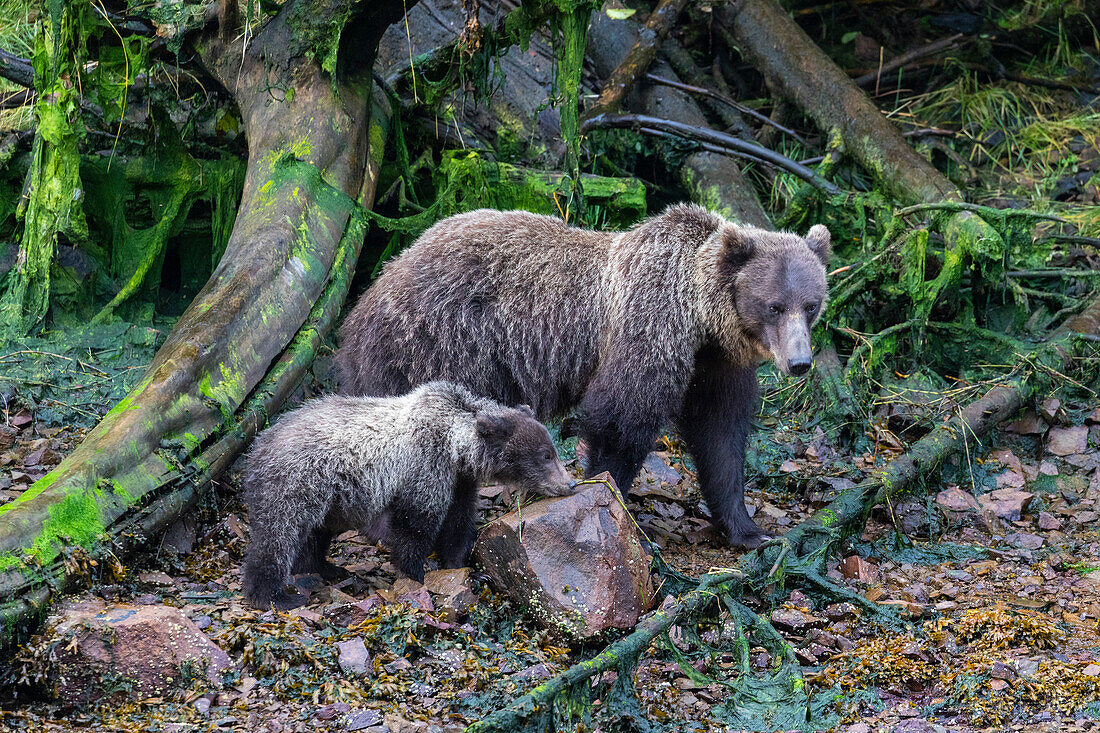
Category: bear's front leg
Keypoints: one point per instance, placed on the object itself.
(619, 424)
(459, 530)
(414, 527)
(715, 422)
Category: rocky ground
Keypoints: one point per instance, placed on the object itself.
(990, 577)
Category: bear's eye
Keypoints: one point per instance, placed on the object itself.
(547, 456)
(811, 307)
(776, 309)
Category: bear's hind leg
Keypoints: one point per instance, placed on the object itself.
(459, 529)
(715, 423)
(313, 557)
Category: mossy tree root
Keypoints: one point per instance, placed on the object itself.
(799, 556)
(249, 334)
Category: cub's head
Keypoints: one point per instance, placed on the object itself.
(777, 283)
(521, 453)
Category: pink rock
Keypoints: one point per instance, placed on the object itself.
(1067, 441)
(957, 500)
(130, 651)
(1006, 503)
(576, 563)
(859, 569)
(1048, 521)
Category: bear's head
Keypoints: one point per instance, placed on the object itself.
(519, 452)
(776, 281)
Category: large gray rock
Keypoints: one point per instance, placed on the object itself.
(576, 563)
(129, 652)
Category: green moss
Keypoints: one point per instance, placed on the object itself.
(9, 561)
(73, 521)
(35, 489)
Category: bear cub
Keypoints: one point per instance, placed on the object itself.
(403, 470)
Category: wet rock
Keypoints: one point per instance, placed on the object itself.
(577, 563)
(1048, 521)
(1007, 504)
(1067, 441)
(361, 719)
(791, 619)
(452, 592)
(130, 651)
(841, 611)
(1025, 541)
(856, 568)
(353, 658)
(955, 501)
(1002, 671)
(661, 470)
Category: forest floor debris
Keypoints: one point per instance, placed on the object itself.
(1001, 612)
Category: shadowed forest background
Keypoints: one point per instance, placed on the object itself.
(193, 193)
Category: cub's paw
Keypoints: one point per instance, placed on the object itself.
(331, 571)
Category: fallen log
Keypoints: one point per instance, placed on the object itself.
(802, 73)
(712, 180)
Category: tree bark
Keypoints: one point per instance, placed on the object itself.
(248, 336)
(711, 179)
(801, 72)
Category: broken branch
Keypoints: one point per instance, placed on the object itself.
(727, 143)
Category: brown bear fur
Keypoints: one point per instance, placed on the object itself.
(667, 321)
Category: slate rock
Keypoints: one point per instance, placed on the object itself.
(353, 658)
(1067, 441)
(452, 592)
(130, 651)
(792, 619)
(576, 563)
(1025, 541)
(361, 719)
(955, 501)
(856, 568)
(1008, 504)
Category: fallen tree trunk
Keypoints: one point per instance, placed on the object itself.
(797, 69)
(802, 551)
(249, 335)
(634, 65)
(711, 179)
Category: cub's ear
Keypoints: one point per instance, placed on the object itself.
(526, 410)
(494, 429)
(737, 245)
(820, 242)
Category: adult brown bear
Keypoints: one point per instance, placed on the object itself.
(665, 322)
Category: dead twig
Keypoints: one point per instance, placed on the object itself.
(930, 49)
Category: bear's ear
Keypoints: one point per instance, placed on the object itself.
(526, 410)
(737, 246)
(820, 242)
(494, 429)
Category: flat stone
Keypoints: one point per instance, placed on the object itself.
(1007, 504)
(362, 719)
(353, 658)
(660, 470)
(1025, 541)
(1067, 441)
(452, 592)
(131, 652)
(956, 500)
(1048, 521)
(841, 611)
(792, 619)
(576, 563)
